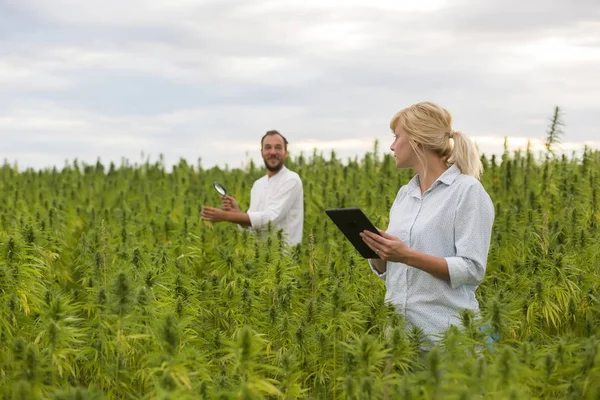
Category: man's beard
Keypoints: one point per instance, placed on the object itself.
(275, 168)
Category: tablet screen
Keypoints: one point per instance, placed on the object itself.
(352, 221)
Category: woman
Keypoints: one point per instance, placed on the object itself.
(433, 254)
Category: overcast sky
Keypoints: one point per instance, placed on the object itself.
(205, 79)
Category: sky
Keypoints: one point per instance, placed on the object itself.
(203, 80)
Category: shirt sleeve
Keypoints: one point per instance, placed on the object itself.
(382, 276)
(278, 206)
(472, 235)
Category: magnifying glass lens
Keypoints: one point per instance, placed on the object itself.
(219, 188)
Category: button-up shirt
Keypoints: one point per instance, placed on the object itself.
(278, 199)
(453, 219)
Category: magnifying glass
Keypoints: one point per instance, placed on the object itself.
(219, 188)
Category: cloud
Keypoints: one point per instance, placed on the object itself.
(207, 78)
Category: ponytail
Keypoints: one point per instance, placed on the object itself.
(465, 155)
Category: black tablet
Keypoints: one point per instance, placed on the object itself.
(352, 221)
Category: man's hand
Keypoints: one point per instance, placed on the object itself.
(217, 215)
(212, 214)
(228, 203)
(388, 247)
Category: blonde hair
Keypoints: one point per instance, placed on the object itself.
(429, 127)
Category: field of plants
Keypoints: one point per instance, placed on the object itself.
(111, 286)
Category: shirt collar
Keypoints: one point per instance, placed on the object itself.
(450, 175)
(281, 172)
(448, 178)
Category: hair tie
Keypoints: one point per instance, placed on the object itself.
(451, 133)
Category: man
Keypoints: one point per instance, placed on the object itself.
(277, 197)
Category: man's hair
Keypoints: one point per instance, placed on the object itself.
(271, 133)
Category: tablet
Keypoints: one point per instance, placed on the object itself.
(352, 221)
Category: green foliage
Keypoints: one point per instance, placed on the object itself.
(111, 286)
(554, 130)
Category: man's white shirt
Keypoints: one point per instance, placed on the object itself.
(279, 199)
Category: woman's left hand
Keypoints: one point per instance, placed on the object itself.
(387, 247)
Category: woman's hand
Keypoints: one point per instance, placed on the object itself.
(387, 247)
(390, 248)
